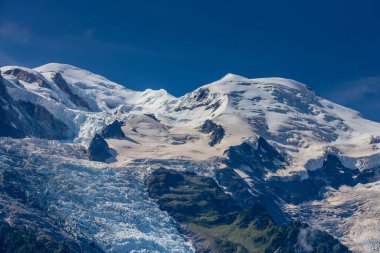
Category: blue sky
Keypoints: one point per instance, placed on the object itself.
(333, 46)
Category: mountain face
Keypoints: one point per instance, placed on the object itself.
(98, 149)
(249, 162)
(24, 118)
(217, 224)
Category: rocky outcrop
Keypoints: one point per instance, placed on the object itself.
(27, 77)
(216, 223)
(260, 156)
(74, 98)
(216, 132)
(14, 240)
(201, 97)
(246, 177)
(113, 130)
(152, 116)
(98, 149)
(20, 119)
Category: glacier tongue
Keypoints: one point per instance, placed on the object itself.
(106, 205)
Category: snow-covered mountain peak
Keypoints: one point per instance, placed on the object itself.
(157, 93)
(232, 80)
(5, 69)
(232, 77)
(57, 67)
(281, 81)
(81, 78)
(283, 111)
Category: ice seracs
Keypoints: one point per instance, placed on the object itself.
(98, 205)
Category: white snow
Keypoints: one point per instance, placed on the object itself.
(285, 112)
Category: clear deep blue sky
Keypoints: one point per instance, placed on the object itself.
(333, 46)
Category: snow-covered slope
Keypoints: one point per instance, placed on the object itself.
(289, 115)
(162, 129)
(286, 113)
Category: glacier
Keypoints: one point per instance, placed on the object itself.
(105, 205)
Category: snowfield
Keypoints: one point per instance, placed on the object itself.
(286, 113)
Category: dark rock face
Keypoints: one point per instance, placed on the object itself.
(216, 223)
(75, 99)
(214, 106)
(113, 130)
(27, 77)
(248, 195)
(331, 174)
(334, 174)
(217, 132)
(14, 240)
(265, 157)
(98, 149)
(208, 126)
(198, 98)
(20, 119)
(202, 94)
(374, 140)
(216, 136)
(269, 192)
(152, 116)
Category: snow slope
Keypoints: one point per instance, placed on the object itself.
(286, 113)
